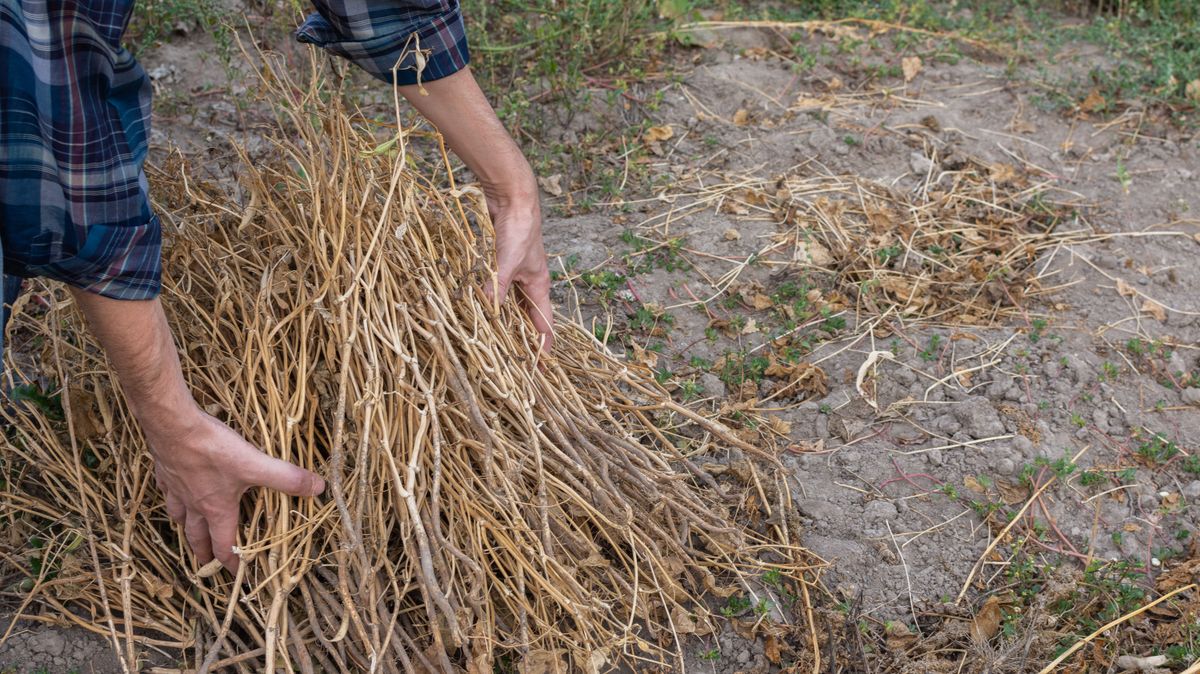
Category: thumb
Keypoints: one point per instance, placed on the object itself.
(286, 477)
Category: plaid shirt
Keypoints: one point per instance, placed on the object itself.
(75, 118)
(425, 38)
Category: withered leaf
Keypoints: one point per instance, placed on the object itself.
(551, 184)
(1002, 172)
(898, 636)
(779, 425)
(1193, 90)
(658, 133)
(1094, 101)
(760, 301)
(1155, 309)
(771, 648)
(545, 662)
(911, 65)
(986, 623)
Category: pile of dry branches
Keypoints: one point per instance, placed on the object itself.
(486, 506)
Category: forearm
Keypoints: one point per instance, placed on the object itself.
(458, 108)
(138, 341)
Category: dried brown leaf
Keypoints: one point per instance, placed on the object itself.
(1094, 101)
(552, 184)
(1002, 173)
(1192, 90)
(771, 649)
(1155, 309)
(760, 301)
(986, 623)
(545, 662)
(898, 636)
(911, 65)
(779, 425)
(656, 134)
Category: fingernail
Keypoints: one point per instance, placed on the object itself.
(209, 569)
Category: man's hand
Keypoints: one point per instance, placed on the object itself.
(457, 107)
(521, 260)
(202, 466)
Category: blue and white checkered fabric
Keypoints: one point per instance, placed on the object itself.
(377, 35)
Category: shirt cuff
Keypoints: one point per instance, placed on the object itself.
(121, 263)
(426, 39)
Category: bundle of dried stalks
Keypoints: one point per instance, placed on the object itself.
(484, 507)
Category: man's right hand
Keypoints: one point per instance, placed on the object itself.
(203, 468)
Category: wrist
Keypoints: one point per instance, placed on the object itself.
(159, 397)
(506, 178)
(167, 419)
(515, 194)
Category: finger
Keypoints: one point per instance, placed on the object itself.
(502, 281)
(285, 477)
(493, 289)
(222, 529)
(175, 509)
(195, 529)
(536, 301)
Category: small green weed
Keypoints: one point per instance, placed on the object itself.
(608, 283)
(1157, 449)
(930, 354)
(1191, 464)
(1123, 176)
(1108, 371)
(1038, 326)
(741, 367)
(155, 21)
(888, 253)
(735, 606)
(49, 404)
(650, 319)
(690, 390)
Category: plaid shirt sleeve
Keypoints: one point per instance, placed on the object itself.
(74, 122)
(426, 38)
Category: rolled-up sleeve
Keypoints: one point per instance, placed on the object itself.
(418, 40)
(74, 127)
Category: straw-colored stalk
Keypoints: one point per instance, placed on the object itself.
(484, 502)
